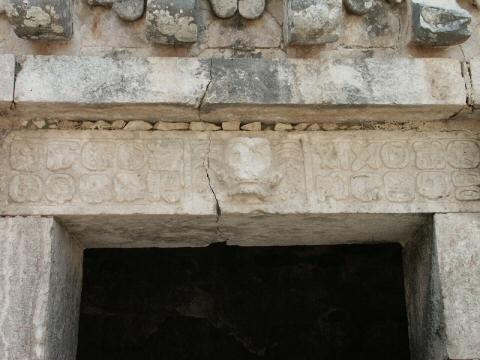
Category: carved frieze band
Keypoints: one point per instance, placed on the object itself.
(56, 174)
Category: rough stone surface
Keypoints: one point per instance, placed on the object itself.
(7, 80)
(203, 126)
(167, 126)
(424, 297)
(171, 22)
(138, 125)
(109, 88)
(475, 82)
(358, 7)
(367, 89)
(128, 10)
(224, 8)
(310, 22)
(40, 284)
(251, 9)
(231, 126)
(458, 244)
(439, 22)
(41, 19)
(253, 126)
(93, 172)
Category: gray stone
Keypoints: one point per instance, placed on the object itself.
(364, 89)
(41, 19)
(458, 245)
(105, 88)
(224, 8)
(172, 22)
(278, 172)
(7, 79)
(128, 10)
(40, 286)
(251, 9)
(312, 22)
(439, 23)
(358, 7)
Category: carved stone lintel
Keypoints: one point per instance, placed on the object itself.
(439, 23)
(128, 10)
(41, 19)
(172, 22)
(311, 22)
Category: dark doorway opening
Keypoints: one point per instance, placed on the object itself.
(237, 303)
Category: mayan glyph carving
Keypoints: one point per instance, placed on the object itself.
(249, 9)
(162, 172)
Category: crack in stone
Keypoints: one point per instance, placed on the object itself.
(202, 99)
(207, 171)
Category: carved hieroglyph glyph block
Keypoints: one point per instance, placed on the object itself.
(188, 173)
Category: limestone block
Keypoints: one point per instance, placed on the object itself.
(41, 19)
(358, 7)
(7, 80)
(229, 172)
(439, 23)
(475, 78)
(40, 286)
(312, 22)
(458, 245)
(363, 89)
(172, 22)
(129, 10)
(249, 9)
(109, 89)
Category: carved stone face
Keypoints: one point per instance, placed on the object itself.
(249, 174)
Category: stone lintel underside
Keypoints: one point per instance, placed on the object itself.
(223, 173)
(173, 89)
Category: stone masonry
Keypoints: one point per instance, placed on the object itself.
(185, 123)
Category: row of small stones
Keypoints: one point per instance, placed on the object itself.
(172, 126)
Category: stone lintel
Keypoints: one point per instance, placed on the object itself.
(180, 89)
(40, 286)
(110, 88)
(125, 172)
(457, 239)
(7, 80)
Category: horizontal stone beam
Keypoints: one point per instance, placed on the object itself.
(7, 80)
(221, 173)
(239, 89)
(109, 88)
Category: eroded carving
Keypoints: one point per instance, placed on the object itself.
(433, 185)
(429, 155)
(367, 187)
(60, 188)
(61, 155)
(463, 154)
(26, 188)
(25, 155)
(399, 186)
(96, 188)
(98, 155)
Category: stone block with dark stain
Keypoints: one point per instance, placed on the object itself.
(41, 19)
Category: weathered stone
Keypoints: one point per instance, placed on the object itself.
(172, 22)
(358, 7)
(251, 9)
(231, 125)
(41, 19)
(118, 124)
(40, 285)
(301, 126)
(54, 173)
(168, 126)
(39, 124)
(457, 238)
(310, 22)
(129, 10)
(138, 125)
(203, 126)
(337, 89)
(439, 23)
(104, 88)
(314, 127)
(253, 126)
(7, 79)
(474, 73)
(224, 8)
(282, 127)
